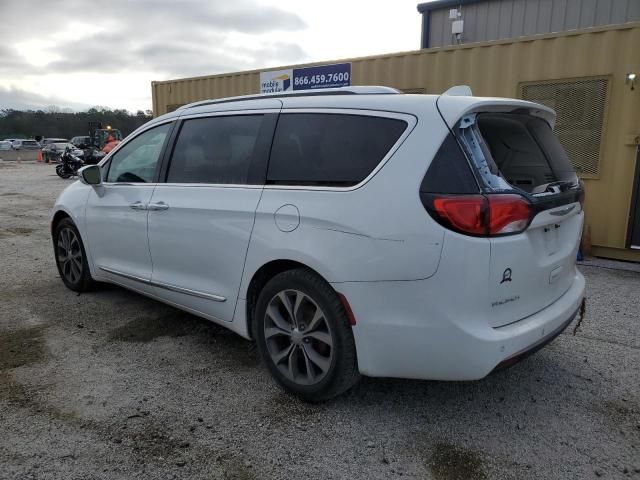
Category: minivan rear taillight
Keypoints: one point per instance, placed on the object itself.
(480, 215)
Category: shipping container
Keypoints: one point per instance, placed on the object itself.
(582, 74)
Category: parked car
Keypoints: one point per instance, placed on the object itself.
(47, 141)
(25, 145)
(53, 151)
(82, 141)
(5, 145)
(354, 231)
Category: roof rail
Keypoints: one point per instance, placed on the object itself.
(357, 90)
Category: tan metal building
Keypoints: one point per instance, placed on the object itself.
(583, 74)
(485, 20)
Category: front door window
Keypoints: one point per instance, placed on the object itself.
(136, 161)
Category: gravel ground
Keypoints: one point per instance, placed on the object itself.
(113, 385)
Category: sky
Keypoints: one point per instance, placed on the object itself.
(82, 53)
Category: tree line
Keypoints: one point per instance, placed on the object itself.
(56, 123)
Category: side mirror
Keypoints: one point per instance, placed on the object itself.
(90, 175)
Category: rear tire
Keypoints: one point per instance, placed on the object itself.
(304, 337)
(71, 257)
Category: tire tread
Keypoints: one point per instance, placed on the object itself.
(86, 282)
(347, 374)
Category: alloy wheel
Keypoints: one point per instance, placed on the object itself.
(298, 337)
(69, 255)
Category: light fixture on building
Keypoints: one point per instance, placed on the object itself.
(630, 79)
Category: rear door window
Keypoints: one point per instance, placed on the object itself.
(217, 150)
(326, 149)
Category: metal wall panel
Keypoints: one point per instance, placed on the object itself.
(518, 18)
(505, 19)
(499, 69)
(500, 19)
(587, 13)
(633, 9)
(439, 21)
(558, 15)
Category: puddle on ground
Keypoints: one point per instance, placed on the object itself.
(16, 231)
(21, 347)
(17, 349)
(239, 351)
(450, 462)
(146, 329)
(11, 391)
(179, 324)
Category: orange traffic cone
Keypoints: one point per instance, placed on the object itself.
(39, 155)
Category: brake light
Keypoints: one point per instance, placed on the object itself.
(465, 213)
(508, 214)
(482, 215)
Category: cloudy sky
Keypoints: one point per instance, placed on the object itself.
(80, 53)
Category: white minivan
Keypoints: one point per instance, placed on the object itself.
(353, 231)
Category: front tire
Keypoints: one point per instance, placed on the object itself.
(304, 336)
(71, 257)
(61, 172)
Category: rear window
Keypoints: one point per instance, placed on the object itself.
(323, 149)
(519, 151)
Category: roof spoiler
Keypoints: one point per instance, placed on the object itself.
(459, 91)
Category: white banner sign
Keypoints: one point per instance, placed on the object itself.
(276, 81)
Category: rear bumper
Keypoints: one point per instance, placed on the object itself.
(517, 357)
(404, 329)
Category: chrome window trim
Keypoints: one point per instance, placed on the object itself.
(129, 184)
(216, 185)
(230, 113)
(411, 120)
(165, 286)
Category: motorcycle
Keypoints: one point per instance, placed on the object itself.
(69, 164)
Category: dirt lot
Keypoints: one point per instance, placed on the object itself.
(113, 385)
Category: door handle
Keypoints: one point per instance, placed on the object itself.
(138, 206)
(158, 206)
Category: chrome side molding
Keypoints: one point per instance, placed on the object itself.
(165, 286)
